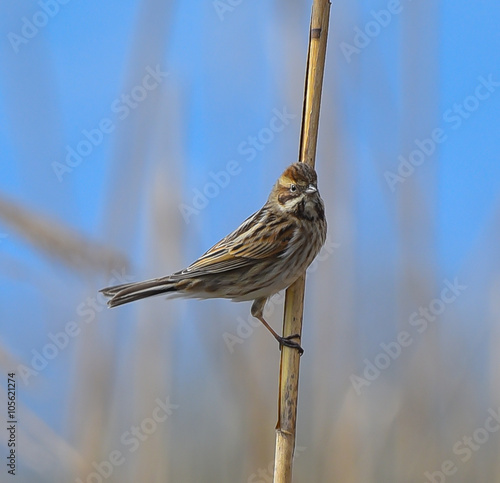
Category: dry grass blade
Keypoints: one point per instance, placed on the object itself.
(58, 241)
(294, 301)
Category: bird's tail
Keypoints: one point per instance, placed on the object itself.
(130, 292)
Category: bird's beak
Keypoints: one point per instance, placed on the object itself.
(311, 189)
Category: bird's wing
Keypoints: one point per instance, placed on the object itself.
(254, 240)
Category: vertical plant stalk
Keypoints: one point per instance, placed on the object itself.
(294, 300)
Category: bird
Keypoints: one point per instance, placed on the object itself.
(269, 251)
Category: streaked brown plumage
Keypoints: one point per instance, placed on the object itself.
(264, 255)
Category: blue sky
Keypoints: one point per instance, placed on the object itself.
(85, 46)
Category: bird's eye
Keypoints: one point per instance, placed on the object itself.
(293, 188)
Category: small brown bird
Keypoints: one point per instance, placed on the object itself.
(264, 255)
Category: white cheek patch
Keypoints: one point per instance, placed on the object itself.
(292, 203)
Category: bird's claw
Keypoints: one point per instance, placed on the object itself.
(290, 343)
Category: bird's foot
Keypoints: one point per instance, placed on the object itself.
(290, 343)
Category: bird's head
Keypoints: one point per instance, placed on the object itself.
(296, 191)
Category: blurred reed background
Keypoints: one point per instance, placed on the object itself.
(135, 134)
